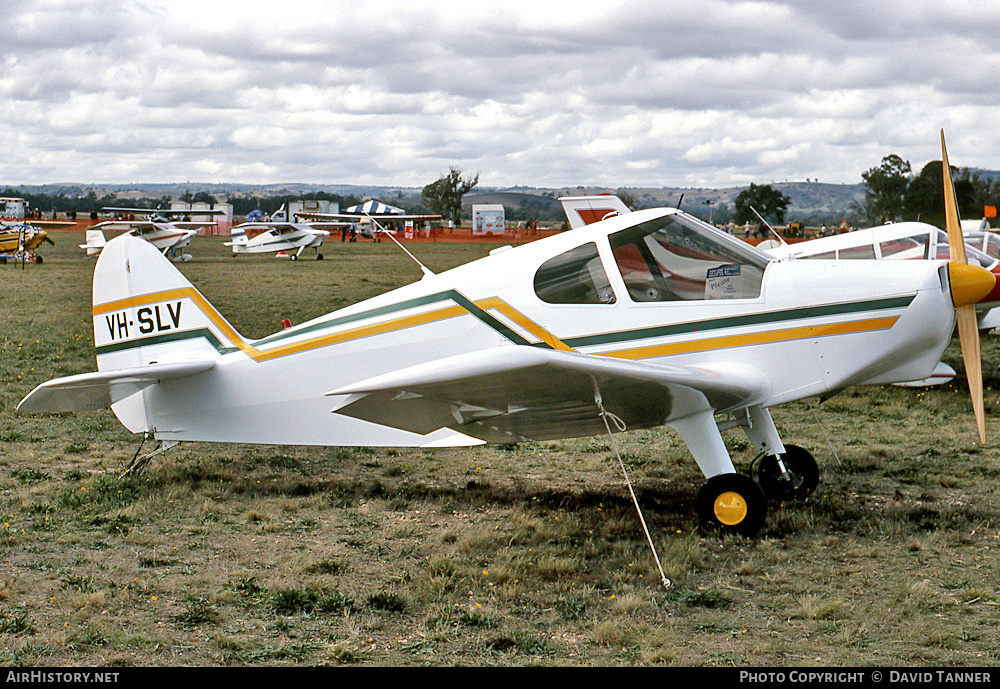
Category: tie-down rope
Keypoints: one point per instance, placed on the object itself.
(605, 415)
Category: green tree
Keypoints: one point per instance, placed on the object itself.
(925, 195)
(444, 196)
(885, 190)
(628, 198)
(765, 199)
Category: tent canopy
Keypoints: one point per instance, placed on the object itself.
(374, 207)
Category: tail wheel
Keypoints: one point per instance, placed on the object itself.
(798, 483)
(732, 503)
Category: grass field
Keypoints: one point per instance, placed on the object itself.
(533, 555)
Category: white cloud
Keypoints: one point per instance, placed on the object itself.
(708, 93)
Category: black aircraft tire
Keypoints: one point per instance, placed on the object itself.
(732, 503)
(800, 464)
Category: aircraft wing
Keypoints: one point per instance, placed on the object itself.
(517, 393)
(101, 389)
(124, 225)
(52, 224)
(163, 211)
(362, 216)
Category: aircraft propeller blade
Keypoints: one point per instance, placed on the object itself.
(968, 326)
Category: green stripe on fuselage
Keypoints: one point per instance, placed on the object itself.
(739, 321)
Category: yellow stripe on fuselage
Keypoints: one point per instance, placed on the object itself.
(523, 321)
(285, 350)
(660, 350)
(358, 333)
(769, 337)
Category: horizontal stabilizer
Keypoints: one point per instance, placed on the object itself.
(509, 394)
(99, 390)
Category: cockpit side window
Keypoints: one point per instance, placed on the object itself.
(574, 277)
(673, 258)
(973, 255)
(914, 247)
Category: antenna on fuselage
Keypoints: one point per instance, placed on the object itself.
(773, 231)
(679, 201)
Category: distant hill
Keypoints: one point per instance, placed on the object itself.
(811, 202)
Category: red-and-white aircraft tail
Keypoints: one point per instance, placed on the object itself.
(586, 210)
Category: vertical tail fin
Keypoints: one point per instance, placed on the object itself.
(95, 242)
(146, 312)
(239, 239)
(584, 210)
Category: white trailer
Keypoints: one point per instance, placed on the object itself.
(13, 208)
(487, 219)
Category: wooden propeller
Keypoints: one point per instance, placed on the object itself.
(968, 326)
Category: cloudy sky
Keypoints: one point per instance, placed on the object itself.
(703, 93)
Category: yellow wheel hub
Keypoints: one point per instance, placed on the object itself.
(730, 508)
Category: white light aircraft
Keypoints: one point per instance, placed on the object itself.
(371, 218)
(901, 241)
(158, 228)
(645, 319)
(281, 234)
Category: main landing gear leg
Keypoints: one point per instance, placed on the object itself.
(728, 502)
(784, 472)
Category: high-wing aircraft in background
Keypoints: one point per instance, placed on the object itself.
(644, 319)
(281, 234)
(159, 227)
(372, 218)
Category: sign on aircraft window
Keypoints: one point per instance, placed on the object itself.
(674, 258)
(574, 277)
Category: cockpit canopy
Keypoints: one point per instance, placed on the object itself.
(668, 258)
(926, 243)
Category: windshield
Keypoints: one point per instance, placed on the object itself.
(675, 258)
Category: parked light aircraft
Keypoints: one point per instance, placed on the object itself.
(281, 234)
(371, 218)
(898, 241)
(21, 241)
(158, 228)
(644, 319)
(984, 240)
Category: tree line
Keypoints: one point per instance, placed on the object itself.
(893, 194)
